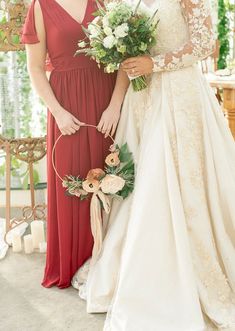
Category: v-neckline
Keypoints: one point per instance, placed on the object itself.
(69, 15)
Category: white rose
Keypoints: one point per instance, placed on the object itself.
(109, 41)
(108, 31)
(121, 31)
(112, 184)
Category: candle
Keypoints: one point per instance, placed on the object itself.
(37, 230)
(43, 247)
(16, 243)
(28, 244)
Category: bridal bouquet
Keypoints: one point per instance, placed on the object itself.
(119, 31)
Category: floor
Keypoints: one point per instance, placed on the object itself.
(26, 306)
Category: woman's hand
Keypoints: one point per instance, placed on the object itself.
(138, 66)
(109, 121)
(67, 123)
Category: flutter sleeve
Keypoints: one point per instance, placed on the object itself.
(29, 33)
(201, 41)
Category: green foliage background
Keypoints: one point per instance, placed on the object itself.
(224, 9)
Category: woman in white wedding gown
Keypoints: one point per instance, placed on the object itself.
(168, 258)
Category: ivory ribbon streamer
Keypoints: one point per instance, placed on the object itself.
(96, 220)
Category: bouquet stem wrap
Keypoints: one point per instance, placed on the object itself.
(138, 83)
(96, 220)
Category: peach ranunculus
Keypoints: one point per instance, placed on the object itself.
(95, 174)
(91, 185)
(111, 184)
(112, 160)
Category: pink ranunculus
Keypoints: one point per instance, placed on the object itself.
(111, 184)
(91, 185)
(112, 160)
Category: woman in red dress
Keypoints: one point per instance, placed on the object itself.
(78, 92)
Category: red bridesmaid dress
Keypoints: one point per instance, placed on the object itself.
(84, 90)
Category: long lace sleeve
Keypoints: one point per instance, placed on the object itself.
(201, 38)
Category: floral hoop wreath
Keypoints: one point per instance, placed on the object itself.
(115, 181)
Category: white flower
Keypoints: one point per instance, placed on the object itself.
(93, 30)
(109, 41)
(112, 184)
(121, 31)
(105, 21)
(82, 44)
(108, 31)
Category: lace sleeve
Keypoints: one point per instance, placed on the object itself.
(201, 40)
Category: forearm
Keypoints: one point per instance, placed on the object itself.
(42, 86)
(122, 84)
(183, 57)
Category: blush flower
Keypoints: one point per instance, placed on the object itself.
(112, 160)
(112, 184)
(95, 174)
(91, 185)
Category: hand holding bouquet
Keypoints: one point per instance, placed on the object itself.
(118, 32)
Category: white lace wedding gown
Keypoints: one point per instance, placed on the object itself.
(168, 259)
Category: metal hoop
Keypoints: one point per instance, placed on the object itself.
(58, 139)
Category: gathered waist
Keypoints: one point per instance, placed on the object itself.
(68, 69)
(73, 63)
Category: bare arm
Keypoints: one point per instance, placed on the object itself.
(36, 56)
(110, 117)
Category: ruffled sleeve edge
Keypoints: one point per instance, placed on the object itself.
(29, 33)
(29, 39)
